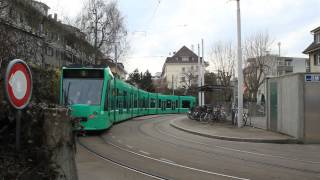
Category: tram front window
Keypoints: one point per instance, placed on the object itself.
(82, 91)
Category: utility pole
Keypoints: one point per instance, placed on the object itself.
(116, 59)
(199, 78)
(279, 44)
(172, 85)
(240, 74)
(202, 72)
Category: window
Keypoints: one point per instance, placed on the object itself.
(183, 79)
(317, 38)
(317, 59)
(159, 103)
(49, 51)
(288, 62)
(153, 103)
(185, 104)
(192, 68)
(106, 103)
(168, 103)
(124, 99)
(183, 69)
(185, 58)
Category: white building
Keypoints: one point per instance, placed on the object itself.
(276, 66)
(313, 50)
(181, 70)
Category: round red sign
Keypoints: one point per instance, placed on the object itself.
(18, 84)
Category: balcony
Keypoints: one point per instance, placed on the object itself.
(284, 68)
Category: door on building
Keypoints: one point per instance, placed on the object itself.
(273, 106)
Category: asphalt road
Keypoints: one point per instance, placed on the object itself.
(149, 148)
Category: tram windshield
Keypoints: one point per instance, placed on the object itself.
(82, 91)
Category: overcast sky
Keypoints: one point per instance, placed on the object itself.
(158, 27)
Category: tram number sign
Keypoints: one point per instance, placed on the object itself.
(18, 84)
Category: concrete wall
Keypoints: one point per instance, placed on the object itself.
(312, 113)
(290, 105)
(298, 105)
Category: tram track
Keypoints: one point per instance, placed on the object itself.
(120, 164)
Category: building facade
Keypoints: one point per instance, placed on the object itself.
(274, 66)
(313, 50)
(41, 39)
(181, 69)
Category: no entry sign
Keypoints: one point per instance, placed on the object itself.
(18, 84)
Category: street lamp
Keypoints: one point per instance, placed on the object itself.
(240, 73)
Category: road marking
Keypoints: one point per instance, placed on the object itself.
(121, 165)
(244, 151)
(167, 160)
(178, 165)
(129, 146)
(143, 152)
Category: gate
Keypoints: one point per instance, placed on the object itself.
(273, 106)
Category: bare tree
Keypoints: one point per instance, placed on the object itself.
(3, 4)
(223, 56)
(104, 26)
(259, 63)
(188, 80)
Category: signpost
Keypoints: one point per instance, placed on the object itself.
(18, 88)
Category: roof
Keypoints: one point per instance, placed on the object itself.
(316, 29)
(183, 52)
(312, 47)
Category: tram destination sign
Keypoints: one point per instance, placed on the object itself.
(18, 84)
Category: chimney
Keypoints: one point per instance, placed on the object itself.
(55, 16)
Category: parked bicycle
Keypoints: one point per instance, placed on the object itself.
(235, 117)
(207, 113)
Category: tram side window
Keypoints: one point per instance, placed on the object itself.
(135, 101)
(153, 103)
(113, 98)
(124, 99)
(185, 104)
(159, 103)
(106, 104)
(117, 98)
(143, 103)
(173, 106)
(177, 104)
(168, 103)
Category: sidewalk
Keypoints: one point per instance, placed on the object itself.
(226, 131)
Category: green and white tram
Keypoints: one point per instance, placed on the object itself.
(99, 99)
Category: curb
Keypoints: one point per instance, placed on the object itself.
(228, 138)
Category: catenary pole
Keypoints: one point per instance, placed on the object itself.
(202, 72)
(240, 74)
(199, 77)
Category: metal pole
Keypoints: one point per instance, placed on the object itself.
(240, 74)
(172, 85)
(279, 44)
(18, 129)
(202, 71)
(199, 77)
(116, 59)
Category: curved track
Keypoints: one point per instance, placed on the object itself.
(149, 148)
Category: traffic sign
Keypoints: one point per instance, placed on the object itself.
(18, 84)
